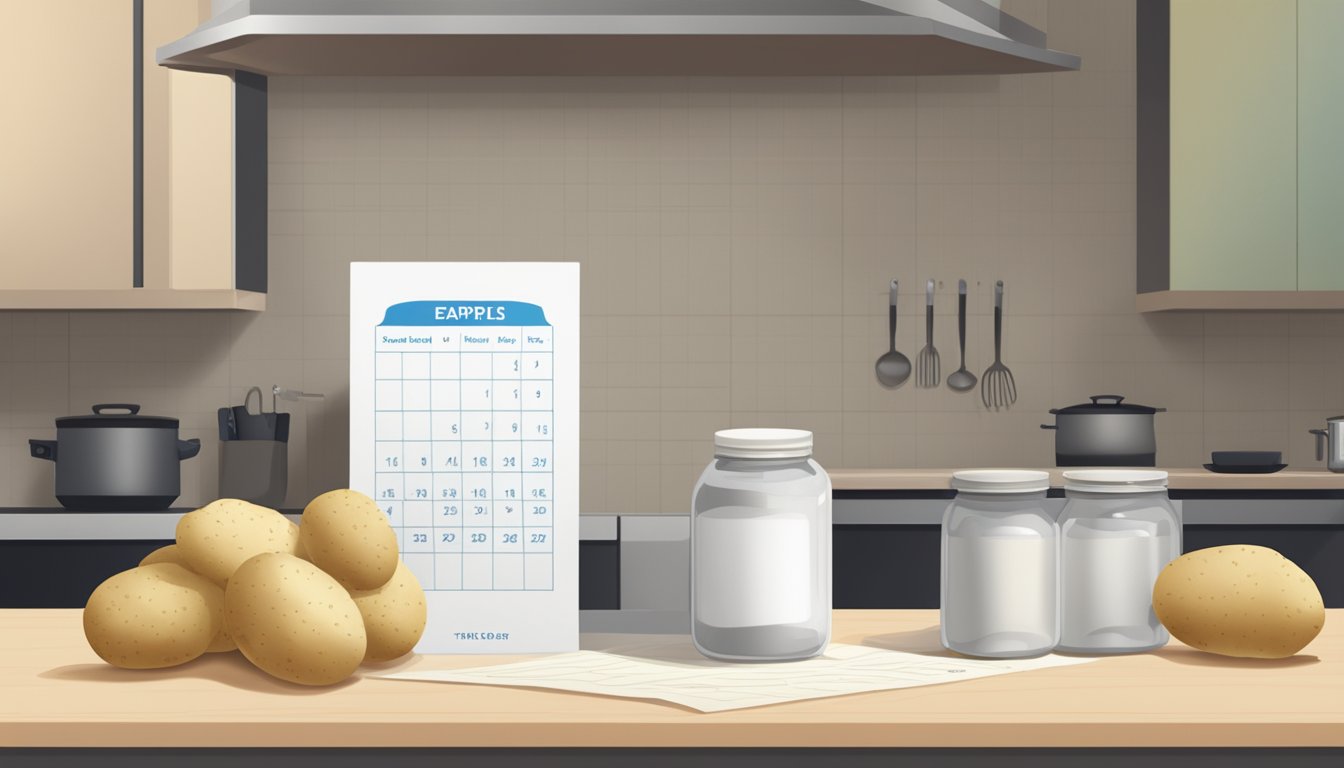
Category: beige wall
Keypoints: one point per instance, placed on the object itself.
(736, 238)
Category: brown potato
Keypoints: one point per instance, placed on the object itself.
(394, 615)
(153, 616)
(1239, 600)
(293, 620)
(346, 534)
(168, 554)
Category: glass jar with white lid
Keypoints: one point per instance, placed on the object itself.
(761, 549)
(1118, 531)
(1000, 568)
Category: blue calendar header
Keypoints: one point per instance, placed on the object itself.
(451, 312)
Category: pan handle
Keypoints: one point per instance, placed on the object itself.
(1049, 426)
(188, 448)
(42, 449)
(1320, 434)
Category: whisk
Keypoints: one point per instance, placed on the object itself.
(997, 388)
(927, 374)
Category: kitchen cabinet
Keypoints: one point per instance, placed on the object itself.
(127, 185)
(1239, 168)
(1320, 124)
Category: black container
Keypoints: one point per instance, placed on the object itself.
(116, 461)
(1106, 432)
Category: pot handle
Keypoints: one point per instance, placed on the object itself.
(188, 448)
(1115, 399)
(130, 408)
(42, 449)
(1320, 434)
(1049, 426)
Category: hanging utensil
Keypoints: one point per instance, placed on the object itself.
(893, 368)
(927, 373)
(998, 390)
(961, 380)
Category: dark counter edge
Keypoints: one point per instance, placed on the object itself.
(1176, 494)
(619, 757)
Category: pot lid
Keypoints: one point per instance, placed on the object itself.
(1116, 480)
(126, 415)
(1107, 404)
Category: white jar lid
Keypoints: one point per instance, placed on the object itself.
(1001, 480)
(763, 443)
(1116, 480)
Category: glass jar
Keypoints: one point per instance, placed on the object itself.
(1118, 531)
(1000, 576)
(761, 549)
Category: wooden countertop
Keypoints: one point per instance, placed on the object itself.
(55, 692)
(1183, 478)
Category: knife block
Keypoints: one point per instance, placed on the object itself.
(254, 470)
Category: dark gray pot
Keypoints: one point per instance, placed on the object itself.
(116, 461)
(1105, 433)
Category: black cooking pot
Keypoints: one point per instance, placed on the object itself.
(1106, 432)
(116, 461)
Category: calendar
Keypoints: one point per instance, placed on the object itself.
(464, 415)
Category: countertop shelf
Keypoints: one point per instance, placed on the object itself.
(1179, 478)
(59, 694)
(133, 298)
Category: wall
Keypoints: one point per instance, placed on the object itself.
(737, 236)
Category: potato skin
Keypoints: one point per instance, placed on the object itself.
(167, 554)
(217, 538)
(1239, 600)
(153, 616)
(394, 615)
(294, 621)
(346, 534)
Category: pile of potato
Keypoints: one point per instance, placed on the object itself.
(306, 603)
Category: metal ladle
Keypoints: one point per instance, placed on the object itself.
(893, 368)
(961, 380)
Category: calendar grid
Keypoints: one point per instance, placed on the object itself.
(463, 442)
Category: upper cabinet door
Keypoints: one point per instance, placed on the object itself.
(1234, 144)
(66, 165)
(1320, 135)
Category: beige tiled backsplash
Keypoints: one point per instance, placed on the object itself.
(737, 236)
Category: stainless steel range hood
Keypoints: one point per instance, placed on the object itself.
(613, 37)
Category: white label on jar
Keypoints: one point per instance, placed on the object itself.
(752, 571)
(1000, 586)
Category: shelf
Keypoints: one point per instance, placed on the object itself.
(1186, 478)
(1172, 301)
(133, 298)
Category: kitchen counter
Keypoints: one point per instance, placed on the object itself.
(1180, 478)
(57, 693)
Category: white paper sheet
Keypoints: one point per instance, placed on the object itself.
(664, 670)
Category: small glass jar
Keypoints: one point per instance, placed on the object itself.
(1000, 566)
(1118, 531)
(761, 549)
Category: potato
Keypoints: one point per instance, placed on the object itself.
(293, 620)
(346, 534)
(394, 615)
(217, 538)
(1239, 600)
(153, 616)
(168, 554)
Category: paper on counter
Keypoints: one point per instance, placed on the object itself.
(665, 671)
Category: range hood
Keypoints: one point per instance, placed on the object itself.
(613, 37)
